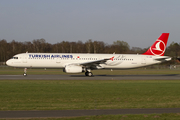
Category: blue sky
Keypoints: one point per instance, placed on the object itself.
(137, 22)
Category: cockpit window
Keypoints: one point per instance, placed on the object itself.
(15, 57)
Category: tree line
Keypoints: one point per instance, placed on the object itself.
(9, 49)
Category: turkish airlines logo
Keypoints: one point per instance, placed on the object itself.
(158, 48)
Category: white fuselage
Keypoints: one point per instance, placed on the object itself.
(60, 60)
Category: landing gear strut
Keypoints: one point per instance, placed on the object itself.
(25, 72)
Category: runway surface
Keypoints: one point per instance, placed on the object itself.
(74, 113)
(96, 77)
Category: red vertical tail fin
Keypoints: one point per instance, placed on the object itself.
(159, 47)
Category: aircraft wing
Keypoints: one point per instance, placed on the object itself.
(93, 64)
(97, 62)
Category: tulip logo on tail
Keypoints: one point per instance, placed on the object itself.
(158, 48)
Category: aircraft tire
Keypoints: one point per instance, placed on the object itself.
(90, 74)
(24, 74)
(86, 73)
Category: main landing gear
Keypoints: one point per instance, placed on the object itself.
(25, 72)
(88, 73)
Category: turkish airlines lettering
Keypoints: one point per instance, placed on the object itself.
(78, 63)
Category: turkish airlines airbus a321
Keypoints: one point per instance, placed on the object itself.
(78, 63)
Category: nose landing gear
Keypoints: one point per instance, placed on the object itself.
(25, 72)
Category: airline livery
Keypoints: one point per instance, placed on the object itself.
(78, 63)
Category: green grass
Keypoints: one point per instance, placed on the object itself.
(79, 94)
(95, 94)
(128, 117)
(169, 116)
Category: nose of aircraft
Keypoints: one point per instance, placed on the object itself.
(8, 62)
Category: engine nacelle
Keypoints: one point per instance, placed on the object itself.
(73, 69)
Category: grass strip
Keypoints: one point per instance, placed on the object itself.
(169, 116)
(84, 94)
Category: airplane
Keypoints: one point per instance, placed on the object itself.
(78, 63)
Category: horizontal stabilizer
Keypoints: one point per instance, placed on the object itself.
(163, 58)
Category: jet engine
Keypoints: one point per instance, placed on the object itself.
(73, 69)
